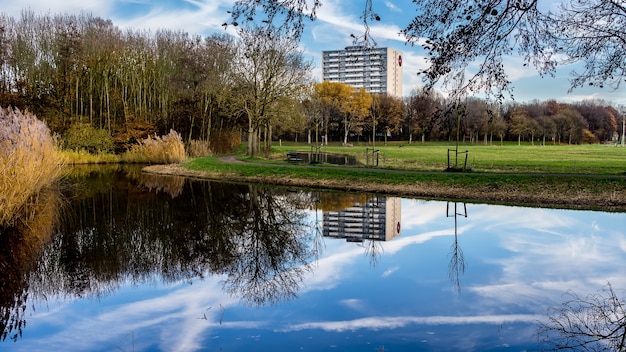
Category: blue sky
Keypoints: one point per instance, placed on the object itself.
(337, 19)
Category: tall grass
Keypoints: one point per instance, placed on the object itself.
(29, 162)
(199, 148)
(75, 157)
(168, 149)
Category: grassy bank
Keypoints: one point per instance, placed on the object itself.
(547, 185)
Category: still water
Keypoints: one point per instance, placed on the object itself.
(147, 263)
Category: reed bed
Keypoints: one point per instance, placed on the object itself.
(29, 162)
(75, 157)
(168, 149)
(199, 148)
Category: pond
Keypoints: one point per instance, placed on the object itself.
(149, 263)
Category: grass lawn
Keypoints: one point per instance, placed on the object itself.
(507, 158)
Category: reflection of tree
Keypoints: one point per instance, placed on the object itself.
(373, 250)
(332, 201)
(271, 255)
(116, 232)
(456, 267)
(596, 322)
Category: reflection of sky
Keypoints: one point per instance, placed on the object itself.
(519, 261)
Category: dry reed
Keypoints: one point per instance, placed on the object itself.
(29, 162)
(168, 149)
(199, 148)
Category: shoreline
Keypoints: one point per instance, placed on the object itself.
(564, 197)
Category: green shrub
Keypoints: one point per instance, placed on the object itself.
(83, 136)
(168, 149)
(29, 161)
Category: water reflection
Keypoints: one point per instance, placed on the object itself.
(366, 222)
(456, 267)
(182, 265)
(20, 246)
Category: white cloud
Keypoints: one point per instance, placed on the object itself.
(392, 7)
(100, 8)
(377, 323)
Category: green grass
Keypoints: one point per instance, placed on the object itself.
(508, 158)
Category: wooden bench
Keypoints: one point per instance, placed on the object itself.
(292, 157)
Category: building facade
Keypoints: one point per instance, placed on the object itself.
(378, 70)
(377, 219)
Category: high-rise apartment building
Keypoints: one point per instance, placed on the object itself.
(378, 70)
(377, 219)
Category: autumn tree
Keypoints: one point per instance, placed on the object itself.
(267, 67)
(476, 118)
(333, 99)
(387, 113)
(421, 108)
(312, 110)
(357, 110)
(601, 118)
(569, 124)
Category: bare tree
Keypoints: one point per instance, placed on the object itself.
(268, 67)
(596, 322)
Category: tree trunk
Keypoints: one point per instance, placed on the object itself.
(345, 134)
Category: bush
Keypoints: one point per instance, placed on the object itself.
(30, 162)
(83, 136)
(168, 149)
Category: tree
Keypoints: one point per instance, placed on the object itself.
(459, 34)
(356, 111)
(388, 113)
(596, 322)
(422, 107)
(333, 98)
(486, 31)
(477, 118)
(267, 67)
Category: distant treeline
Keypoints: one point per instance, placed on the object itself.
(80, 70)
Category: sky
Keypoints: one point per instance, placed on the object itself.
(336, 21)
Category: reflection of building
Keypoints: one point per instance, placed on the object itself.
(378, 70)
(377, 219)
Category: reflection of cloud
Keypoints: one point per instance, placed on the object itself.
(418, 212)
(178, 317)
(352, 303)
(328, 272)
(376, 323)
(390, 271)
(549, 252)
